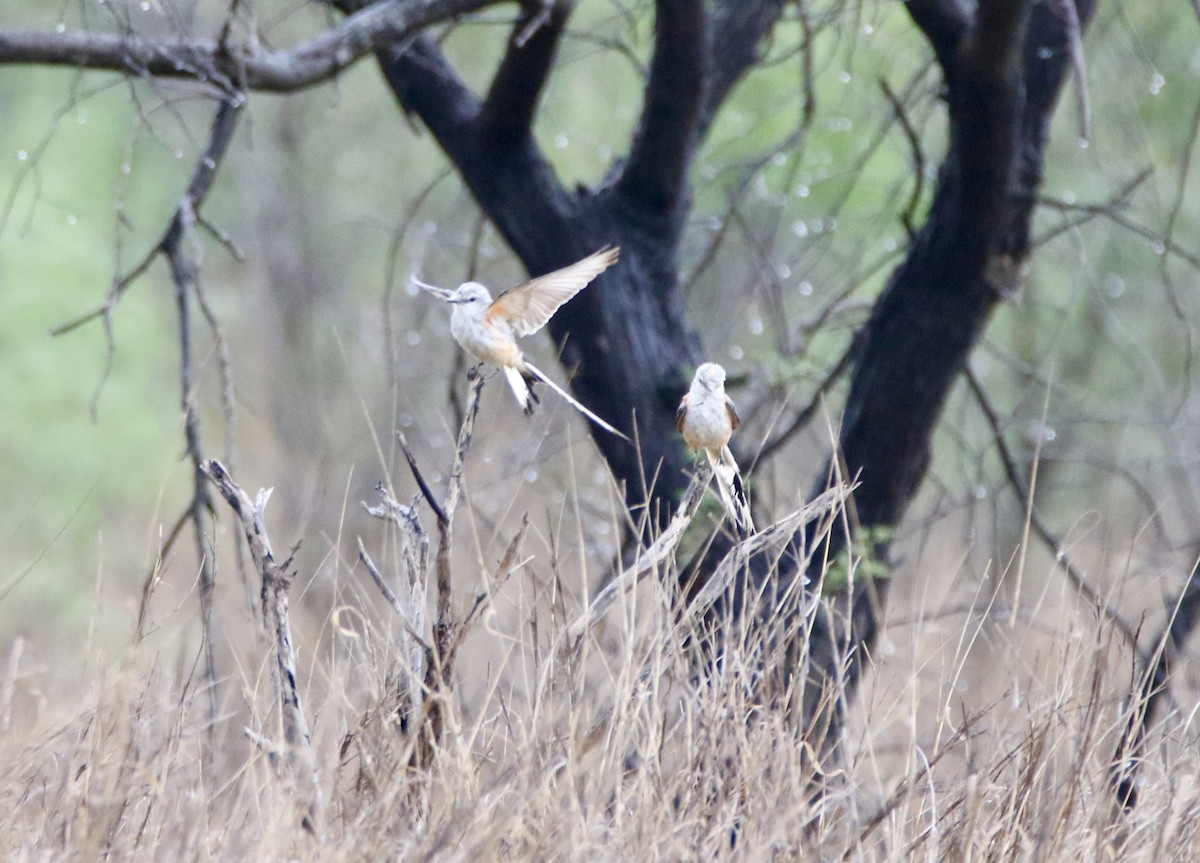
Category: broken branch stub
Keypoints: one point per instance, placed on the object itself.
(299, 761)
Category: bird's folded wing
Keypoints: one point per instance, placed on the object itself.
(528, 306)
(681, 414)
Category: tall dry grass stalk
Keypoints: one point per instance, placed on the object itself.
(576, 726)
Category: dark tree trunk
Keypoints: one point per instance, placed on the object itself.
(626, 339)
(1003, 72)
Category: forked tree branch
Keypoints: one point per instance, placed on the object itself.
(232, 67)
(514, 185)
(738, 28)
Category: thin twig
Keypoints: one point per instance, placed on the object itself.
(908, 217)
(426, 491)
(1074, 575)
(805, 414)
(388, 594)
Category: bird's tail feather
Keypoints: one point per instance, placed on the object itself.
(522, 387)
(541, 376)
(731, 489)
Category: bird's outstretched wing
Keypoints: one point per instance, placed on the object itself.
(528, 306)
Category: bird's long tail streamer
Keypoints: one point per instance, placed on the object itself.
(729, 485)
(541, 376)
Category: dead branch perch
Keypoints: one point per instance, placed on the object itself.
(429, 662)
(777, 536)
(299, 760)
(233, 67)
(416, 650)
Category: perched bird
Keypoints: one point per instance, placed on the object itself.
(707, 419)
(488, 329)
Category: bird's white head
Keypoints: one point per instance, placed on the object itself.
(711, 376)
(470, 293)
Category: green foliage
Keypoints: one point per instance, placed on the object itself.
(865, 559)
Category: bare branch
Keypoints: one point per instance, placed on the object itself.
(908, 217)
(251, 68)
(805, 414)
(426, 491)
(389, 595)
(184, 274)
(515, 186)
(416, 650)
(453, 495)
(300, 761)
(219, 138)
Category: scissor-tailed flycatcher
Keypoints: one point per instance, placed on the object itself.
(707, 419)
(488, 329)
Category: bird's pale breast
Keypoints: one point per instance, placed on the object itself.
(486, 340)
(707, 424)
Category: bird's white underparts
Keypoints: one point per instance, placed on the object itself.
(707, 418)
(488, 329)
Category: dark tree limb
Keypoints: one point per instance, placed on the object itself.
(944, 22)
(738, 28)
(625, 339)
(515, 185)
(655, 177)
(506, 116)
(249, 68)
(1004, 70)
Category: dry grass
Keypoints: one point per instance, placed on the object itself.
(981, 734)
